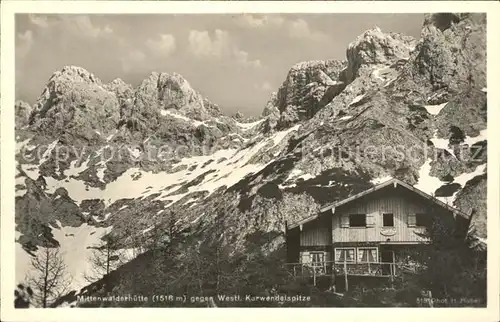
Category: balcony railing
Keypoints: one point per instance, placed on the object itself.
(342, 268)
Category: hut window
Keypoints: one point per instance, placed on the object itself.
(344, 254)
(367, 255)
(318, 257)
(357, 220)
(305, 258)
(318, 262)
(388, 220)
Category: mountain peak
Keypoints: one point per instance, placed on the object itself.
(75, 73)
(375, 47)
(75, 101)
(117, 81)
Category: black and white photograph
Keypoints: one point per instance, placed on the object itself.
(250, 160)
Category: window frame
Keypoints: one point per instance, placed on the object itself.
(344, 249)
(383, 219)
(320, 263)
(367, 248)
(365, 217)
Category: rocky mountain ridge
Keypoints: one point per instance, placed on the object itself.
(393, 94)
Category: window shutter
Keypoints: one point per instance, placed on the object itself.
(344, 221)
(370, 220)
(412, 220)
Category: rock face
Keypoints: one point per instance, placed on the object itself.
(333, 128)
(374, 47)
(171, 91)
(75, 102)
(124, 92)
(452, 52)
(22, 113)
(308, 87)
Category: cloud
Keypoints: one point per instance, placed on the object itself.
(25, 43)
(265, 86)
(202, 45)
(256, 21)
(131, 60)
(40, 21)
(74, 25)
(42, 33)
(221, 46)
(164, 46)
(299, 28)
(242, 58)
(84, 25)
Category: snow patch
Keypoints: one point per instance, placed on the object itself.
(482, 240)
(247, 126)
(426, 182)
(31, 170)
(21, 192)
(376, 73)
(147, 229)
(357, 99)
(306, 176)
(111, 136)
(21, 145)
(390, 82)
(106, 216)
(124, 187)
(48, 152)
(74, 170)
(73, 247)
(279, 136)
(181, 117)
(442, 144)
(293, 173)
(100, 174)
(464, 177)
(135, 153)
(435, 109)
(197, 218)
(345, 117)
(472, 140)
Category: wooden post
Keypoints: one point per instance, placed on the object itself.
(345, 276)
(314, 275)
(369, 270)
(429, 293)
(394, 263)
(332, 271)
(392, 274)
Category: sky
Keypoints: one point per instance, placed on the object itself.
(235, 60)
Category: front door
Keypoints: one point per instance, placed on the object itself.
(386, 258)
